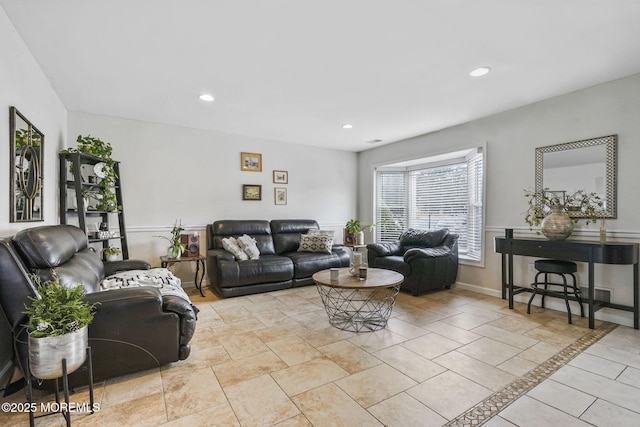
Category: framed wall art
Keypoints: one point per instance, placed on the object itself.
(280, 177)
(280, 195)
(251, 162)
(251, 192)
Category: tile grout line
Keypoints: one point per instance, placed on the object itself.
(492, 405)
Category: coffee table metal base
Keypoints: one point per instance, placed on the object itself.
(358, 310)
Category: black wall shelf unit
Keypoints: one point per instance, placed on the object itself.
(77, 178)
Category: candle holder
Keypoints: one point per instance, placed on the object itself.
(355, 269)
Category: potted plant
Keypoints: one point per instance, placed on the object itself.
(57, 327)
(176, 247)
(561, 210)
(111, 253)
(355, 233)
(105, 197)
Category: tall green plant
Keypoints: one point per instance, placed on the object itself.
(58, 311)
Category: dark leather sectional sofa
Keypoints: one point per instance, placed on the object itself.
(134, 328)
(280, 265)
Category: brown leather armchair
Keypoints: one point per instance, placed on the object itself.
(133, 329)
(428, 259)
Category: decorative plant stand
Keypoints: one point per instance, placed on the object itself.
(64, 408)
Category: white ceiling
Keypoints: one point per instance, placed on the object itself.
(295, 70)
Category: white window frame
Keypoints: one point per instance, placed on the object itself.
(475, 201)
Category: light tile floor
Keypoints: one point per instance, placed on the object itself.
(273, 359)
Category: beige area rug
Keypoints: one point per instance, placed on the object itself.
(491, 406)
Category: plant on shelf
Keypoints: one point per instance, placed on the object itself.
(111, 252)
(105, 197)
(579, 205)
(57, 327)
(176, 247)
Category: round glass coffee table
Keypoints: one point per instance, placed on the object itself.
(359, 305)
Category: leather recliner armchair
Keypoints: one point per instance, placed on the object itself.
(133, 328)
(428, 259)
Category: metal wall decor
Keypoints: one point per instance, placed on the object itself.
(27, 156)
(588, 164)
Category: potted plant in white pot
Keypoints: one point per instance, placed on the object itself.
(176, 247)
(57, 328)
(111, 253)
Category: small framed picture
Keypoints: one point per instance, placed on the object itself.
(280, 195)
(251, 162)
(251, 192)
(280, 177)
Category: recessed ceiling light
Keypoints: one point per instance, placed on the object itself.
(480, 71)
(206, 97)
(347, 126)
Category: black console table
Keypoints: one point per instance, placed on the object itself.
(570, 250)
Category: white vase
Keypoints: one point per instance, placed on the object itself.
(360, 238)
(113, 257)
(170, 253)
(46, 353)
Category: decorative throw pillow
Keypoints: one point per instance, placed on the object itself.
(230, 244)
(248, 245)
(315, 243)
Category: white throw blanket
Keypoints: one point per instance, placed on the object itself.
(160, 278)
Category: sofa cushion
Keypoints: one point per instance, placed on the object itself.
(49, 246)
(230, 244)
(315, 243)
(269, 268)
(307, 263)
(413, 238)
(258, 229)
(286, 233)
(395, 263)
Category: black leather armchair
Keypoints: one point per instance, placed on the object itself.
(133, 329)
(427, 259)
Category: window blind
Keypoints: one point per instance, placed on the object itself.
(391, 205)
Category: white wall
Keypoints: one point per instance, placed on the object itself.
(511, 138)
(24, 85)
(171, 172)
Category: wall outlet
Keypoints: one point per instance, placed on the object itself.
(531, 268)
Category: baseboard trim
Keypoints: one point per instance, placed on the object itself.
(619, 317)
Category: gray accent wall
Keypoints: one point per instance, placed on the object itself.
(511, 138)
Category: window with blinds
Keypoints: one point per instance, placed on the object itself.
(433, 196)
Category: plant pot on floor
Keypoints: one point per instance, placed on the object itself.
(46, 353)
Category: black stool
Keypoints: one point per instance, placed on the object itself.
(562, 269)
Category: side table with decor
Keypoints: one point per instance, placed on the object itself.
(166, 262)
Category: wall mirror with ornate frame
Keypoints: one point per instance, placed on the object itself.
(27, 155)
(588, 165)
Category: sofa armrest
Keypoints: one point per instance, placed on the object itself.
(188, 315)
(338, 248)
(416, 253)
(135, 295)
(113, 267)
(220, 255)
(385, 249)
